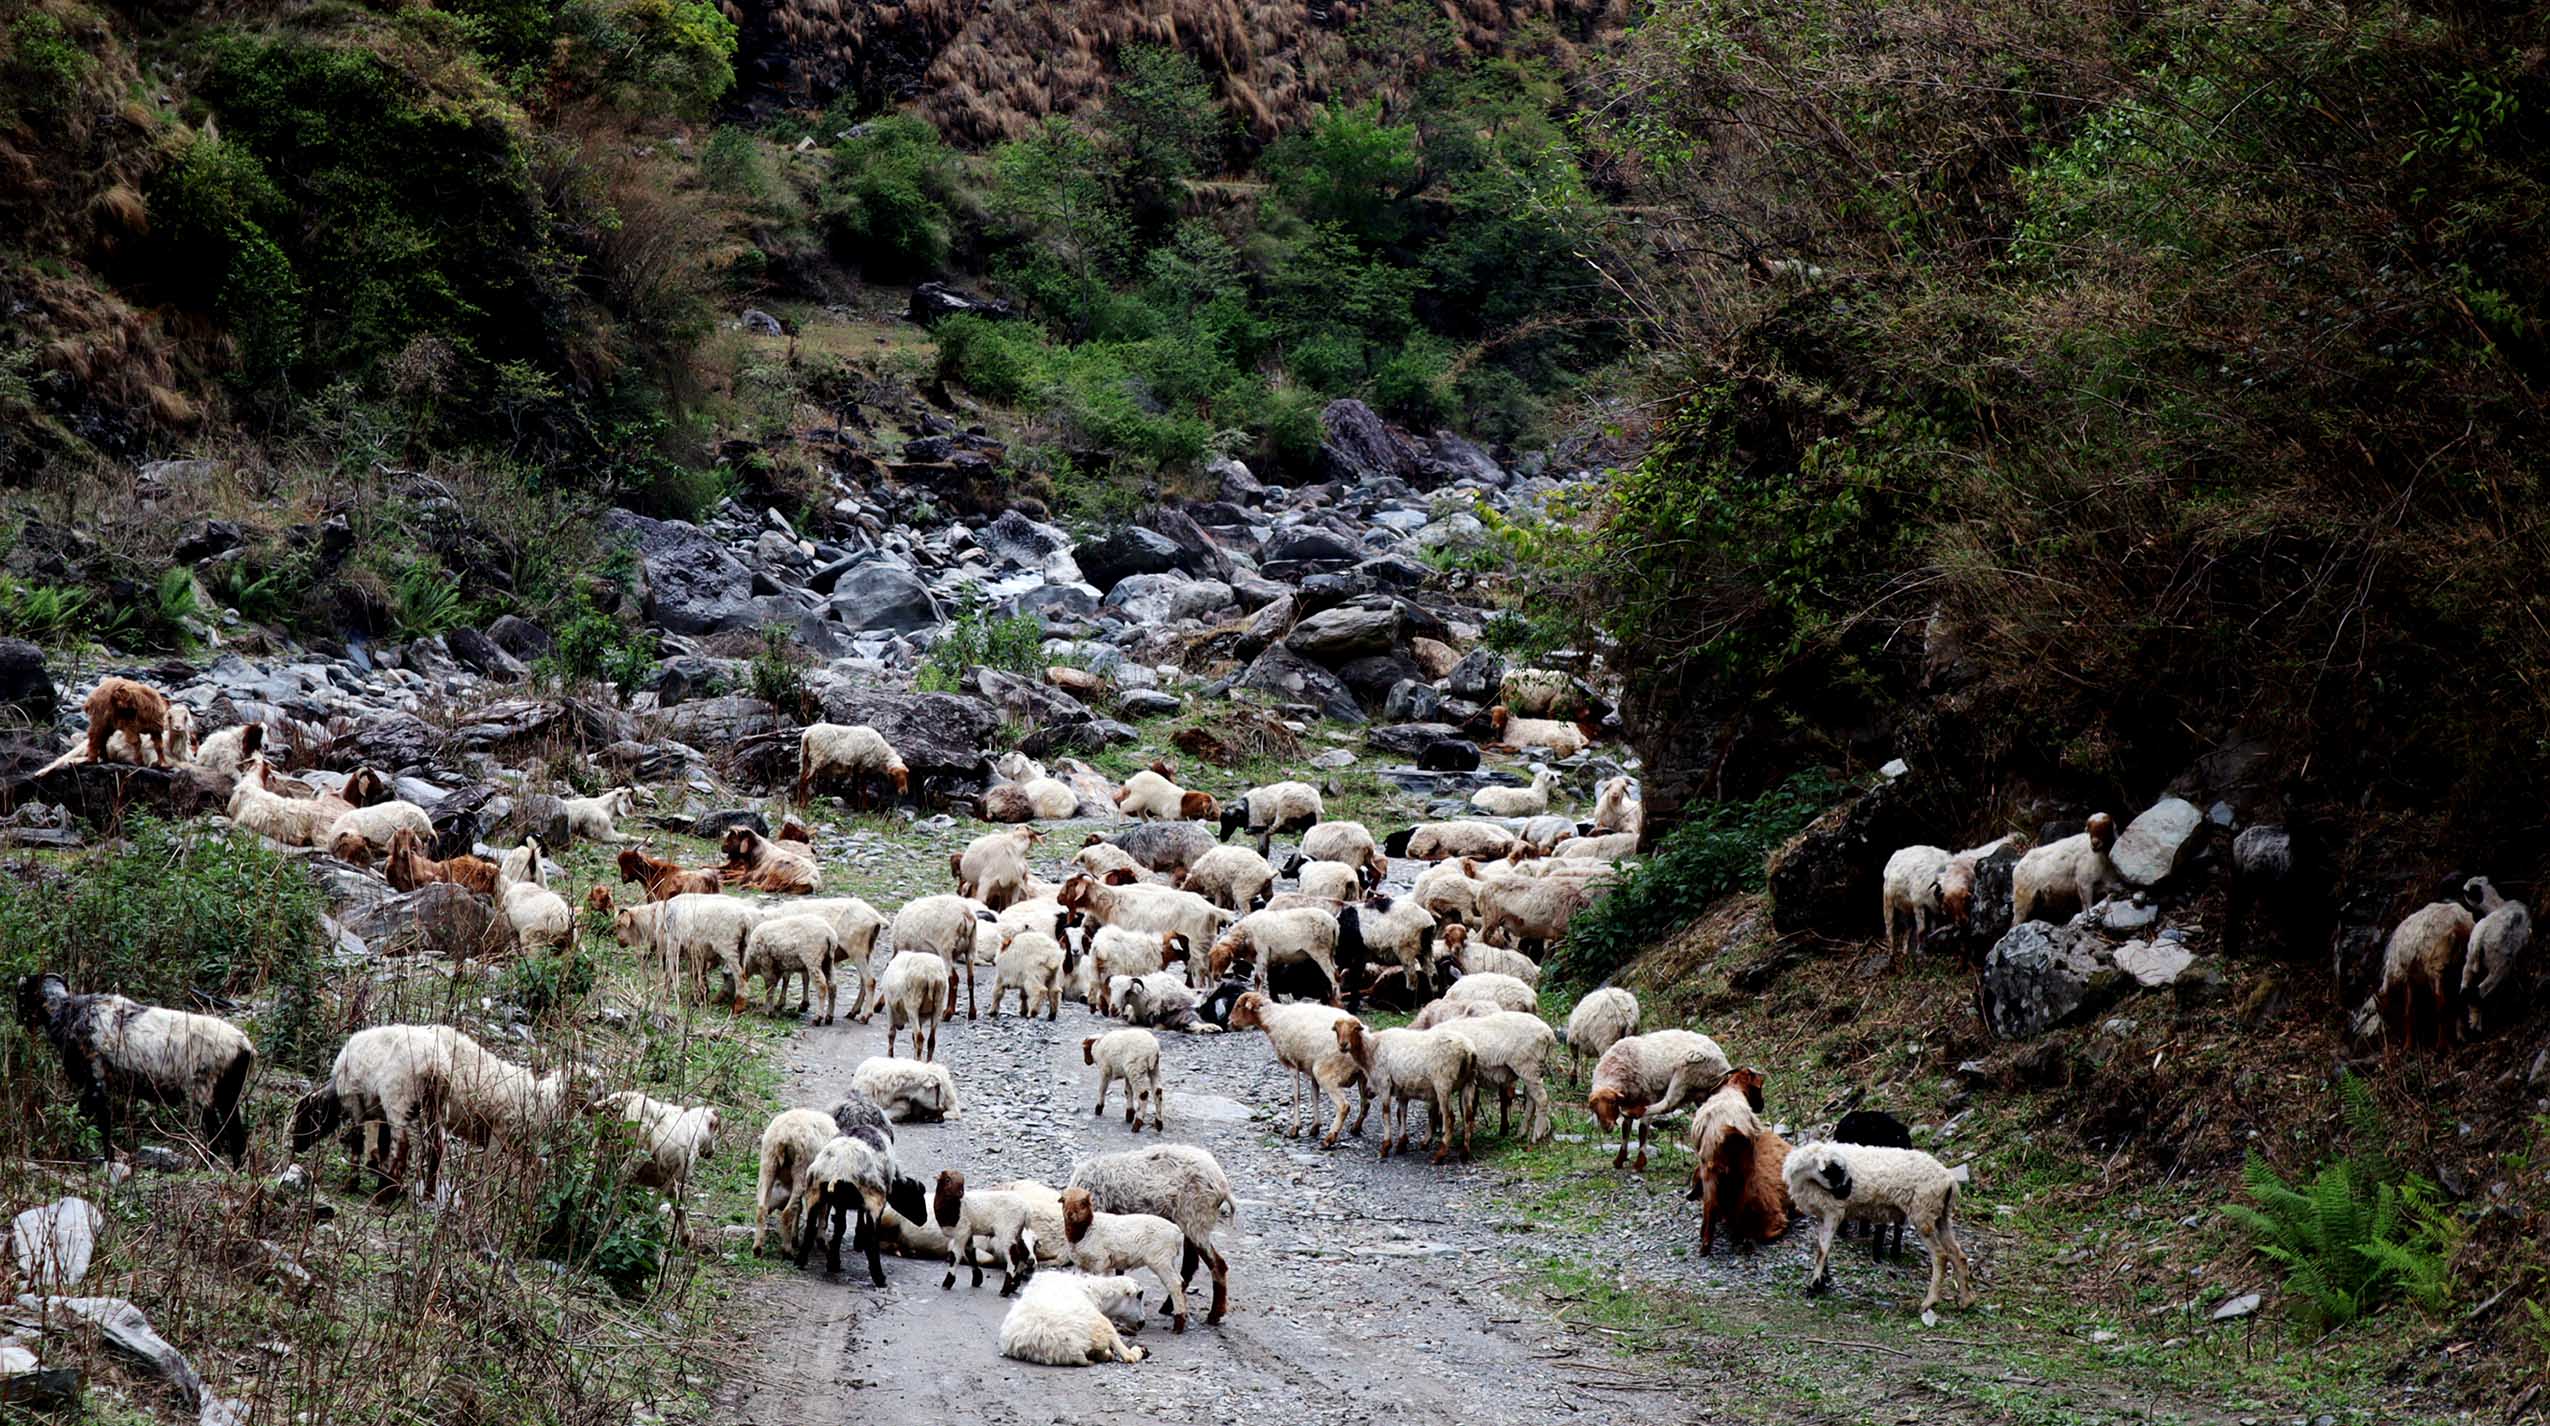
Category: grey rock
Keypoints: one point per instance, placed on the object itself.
(1477, 677)
(684, 677)
(1198, 555)
(2038, 977)
(724, 721)
(1235, 482)
(692, 584)
(1409, 739)
(933, 302)
(761, 323)
(438, 920)
(1826, 879)
(941, 736)
(1295, 679)
(882, 597)
(2124, 918)
(1411, 702)
(1359, 447)
(1086, 736)
(2154, 964)
(1253, 591)
(1014, 537)
(1265, 626)
(1349, 631)
(54, 1244)
(481, 653)
(2242, 1306)
(1129, 551)
(538, 815)
(126, 1328)
(713, 825)
(1147, 703)
(1053, 602)
(1312, 545)
(204, 539)
(1026, 700)
(2153, 847)
(520, 637)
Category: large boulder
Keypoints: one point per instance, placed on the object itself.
(2040, 976)
(1826, 879)
(1447, 458)
(1157, 599)
(935, 302)
(1989, 919)
(2158, 842)
(514, 722)
(1312, 546)
(1359, 447)
(1409, 739)
(1295, 679)
(722, 722)
(104, 794)
(1349, 631)
(692, 584)
(1198, 555)
(518, 636)
(1028, 701)
(1014, 537)
(483, 655)
(1129, 551)
(397, 743)
(941, 736)
(25, 683)
(439, 919)
(1477, 677)
(883, 598)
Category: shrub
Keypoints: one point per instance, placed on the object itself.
(592, 646)
(779, 671)
(426, 600)
(733, 163)
(974, 639)
(44, 613)
(890, 203)
(45, 67)
(549, 985)
(1719, 852)
(591, 1217)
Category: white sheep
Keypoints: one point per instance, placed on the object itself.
(1529, 801)
(1051, 798)
(113, 1048)
(1505, 992)
(590, 817)
(1179, 1182)
(781, 947)
(1617, 808)
(856, 925)
(1301, 1036)
(1000, 1218)
(1437, 841)
(672, 1141)
(1598, 1022)
(851, 1180)
(1062, 1321)
(364, 833)
(908, 1091)
(1347, 842)
(855, 751)
(1645, 1077)
(1388, 929)
(1511, 1053)
(1536, 691)
(1115, 951)
(1303, 939)
(1103, 1243)
(293, 821)
(490, 1099)
(1530, 913)
(1562, 739)
(1147, 796)
(1276, 807)
(225, 752)
(1481, 959)
(1450, 890)
(2065, 875)
(1161, 998)
(1831, 1182)
(1031, 963)
(2497, 941)
(388, 1087)
(911, 991)
(690, 933)
(1100, 859)
(1132, 1056)
(1330, 881)
(2415, 995)
(1404, 1066)
(944, 926)
(789, 1144)
(539, 916)
(1233, 878)
(1157, 909)
(1608, 847)
(1543, 833)
(1909, 893)
(993, 868)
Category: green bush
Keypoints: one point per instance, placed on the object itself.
(974, 639)
(591, 646)
(550, 985)
(426, 600)
(591, 1217)
(891, 202)
(45, 68)
(1718, 853)
(44, 613)
(779, 671)
(733, 163)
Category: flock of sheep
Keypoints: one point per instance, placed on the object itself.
(1166, 924)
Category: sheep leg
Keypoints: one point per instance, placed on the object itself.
(1389, 1122)
(1504, 1108)
(1621, 1159)
(1938, 1268)
(1536, 1116)
(868, 1230)
(1221, 1284)
(1821, 1279)
(1105, 1077)
(1642, 1144)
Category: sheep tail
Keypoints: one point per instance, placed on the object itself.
(1228, 1208)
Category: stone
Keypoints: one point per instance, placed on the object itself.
(1312, 545)
(103, 794)
(1411, 702)
(1409, 739)
(1264, 627)
(127, 1329)
(1028, 701)
(512, 722)
(2152, 848)
(1198, 555)
(439, 919)
(1446, 458)
(1826, 879)
(53, 1245)
(1235, 483)
(1359, 447)
(204, 539)
(692, 585)
(1014, 537)
(1053, 603)
(713, 825)
(684, 677)
(519, 637)
(1166, 598)
(941, 736)
(2124, 918)
(2244, 1305)
(1148, 703)
(1086, 736)
(537, 815)
(885, 598)
(480, 653)
(933, 302)
(724, 721)
(2039, 977)
(1129, 551)
(1349, 631)
(25, 683)
(1435, 658)
(1295, 679)
(1477, 677)
(761, 323)
(1394, 571)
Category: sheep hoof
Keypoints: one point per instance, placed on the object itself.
(1177, 1325)
(1817, 1287)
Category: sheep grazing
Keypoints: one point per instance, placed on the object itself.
(142, 714)
(1830, 1182)
(1404, 1066)
(1165, 846)
(1148, 796)
(1609, 847)
(1063, 1321)
(1478, 959)
(1233, 878)
(944, 926)
(1347, 842)
(2065, 875)
(2418, 979)
(1030, 963)
(993, 868)
(591, 817)
(789, 1144)
(1330, 881)
(408, 868)
(761, 864)
(2497, 941)
(365, 832)
(1529, 914)
(389, 1078)
(1538, 692)
(1510, 1052)
(663, 880)
(539, 916)
(856, 925)
(1737, 1162)
(1179, 1182)
(1267, 940)
(1598, 1022)
(689, 933)
(672, 1139)
(1132, 1056)
(115, 1049)
(1529, 801)
(1438, 841)
(1618, 808)
(1106, 1243)
(1276, 807)
(1877, 1129)
(1301, 1036)
(1157, 909)
(1115, 951)
(858, 754)
(781, 948)
(490, 1100)
(1644, 1077)
(1448, 755)
(1444, 1012)
(1563, 740)
(1909, 894)
(1002, 1218)
(910, 991)
(854, 1177)
(1450, 890)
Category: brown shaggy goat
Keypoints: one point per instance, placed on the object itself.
(409, 868)
(662, 879)
(142, 714)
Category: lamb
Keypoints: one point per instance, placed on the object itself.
(114, 1049)
(1540, 835)
(690, 932)
(911, 991)
(1330, 881)
(1000, 1217)
(1301, 1036)
(1830, 1182)
(1134, 1057)
(391, 1077)
(293, 821)
(1102, 859)
(1531, 801)
(1104, 1243)
(1502, 991)
(1395, 929)
(1149, 797)
(1885, 1131)
(944, 926)
(590, 817)
(1645, 1077)
(2066, 875)
(539, 916)
(1437, 841)
(856, 752)
(1115, 951)
(789, 1144)
(1268, 939)
(1031, 963)
(1179, 1182)
(1346, 842)
(1165, 846)
(1510, 1054)
(1437, 1066)
(365, 832)
(1563, 740)
(1233, 878)
(1158, 909)
(1160, 998)
(1530, 914)
(1609, 847)
(782, 947)
(409, 868)
(763, 865)
(1910, 893)
(663, 880)
(852, 1177)
(143, 715)
(2417, 974)
(673, 1140)
(1735, 1172)
(1955, 895)
(1617, 808)
(1598, 1022)
(1444, 1012)
(1062, 1321)
(993, 868)
(856, 925)
(1276, 807)
(2497, 941)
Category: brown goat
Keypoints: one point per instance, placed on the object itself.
(409, 868)
(759, 864)
(142, 714)
(662, 879)
(1736, 1175)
